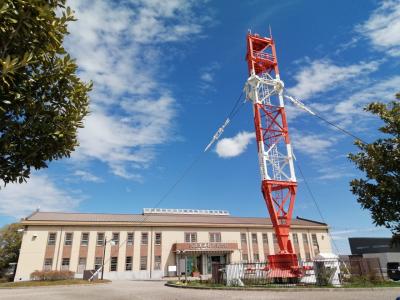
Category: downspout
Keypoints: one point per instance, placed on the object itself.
(59, 246)
(151, 251)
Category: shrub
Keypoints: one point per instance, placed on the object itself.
(52, 275)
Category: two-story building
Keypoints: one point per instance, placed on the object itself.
(149, 245)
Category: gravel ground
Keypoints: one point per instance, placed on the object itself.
(147, 290)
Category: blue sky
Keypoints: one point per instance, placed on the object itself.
(167, 73)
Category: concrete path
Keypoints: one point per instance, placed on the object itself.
(147, 290)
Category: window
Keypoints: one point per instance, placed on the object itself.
(48, 263)
(215, 237)
(265, 238)
(81, 265)
(245, 257)
(256, 257)
(85, 239)
(315, 243)
(254, 238)
(65, 264)
(145, 238)
(243, 238)
(276, 245)
(143, 263)
(115, 238)
(100, 239)
(306, 246)
(157, 262)
(68, 239)
(190, 237)
(52, 239)
(128, 263)
(158, 238)
(308, 257)
(295, 239)
(305, 238)
(114, 263)
(129, 240)
(98, 262)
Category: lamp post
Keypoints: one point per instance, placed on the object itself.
(112, 242)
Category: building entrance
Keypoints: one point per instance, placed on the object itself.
(214, 260)
(194, 264)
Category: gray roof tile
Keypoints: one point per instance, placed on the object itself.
(158, 218)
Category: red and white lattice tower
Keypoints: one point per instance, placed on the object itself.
(265, 90)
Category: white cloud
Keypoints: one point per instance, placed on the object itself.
(119, 47)
(230, 147)
(165, 21)
(335, 172)
(320, 76)
(346, 233)
(207, 76)
(383, 90)
(87, 176)
(19, 200)
(383, 28)
(316, 145)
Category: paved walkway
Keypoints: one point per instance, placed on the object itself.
(146, 290)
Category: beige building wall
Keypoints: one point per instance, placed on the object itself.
(35, 237)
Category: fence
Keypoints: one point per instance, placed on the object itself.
(326, 272)
(363, 267)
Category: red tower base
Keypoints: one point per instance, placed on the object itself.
(283, 266)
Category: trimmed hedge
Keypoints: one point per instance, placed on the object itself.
(52, 275)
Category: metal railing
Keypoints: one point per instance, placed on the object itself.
(323, 272)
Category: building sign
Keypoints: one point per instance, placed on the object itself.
(201, 246)
(206, 246)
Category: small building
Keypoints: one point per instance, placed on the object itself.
(156, 243)
(376, 247)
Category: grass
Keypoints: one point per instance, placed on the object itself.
(48, 283)
(372, 285)
(347, 285)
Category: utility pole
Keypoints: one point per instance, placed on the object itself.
(104, 255)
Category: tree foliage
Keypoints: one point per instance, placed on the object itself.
(10, 243)
(379, 191)
(42, 100)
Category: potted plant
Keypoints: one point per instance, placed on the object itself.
(195, 270)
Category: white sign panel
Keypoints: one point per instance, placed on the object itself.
(171, 268)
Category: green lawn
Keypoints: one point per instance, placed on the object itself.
(347, 285)
(48, 283)
(371, 285)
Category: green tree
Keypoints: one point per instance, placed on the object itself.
(10, 243)
(379, 191)
(42, 100)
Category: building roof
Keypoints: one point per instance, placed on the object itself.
(365, 245)
(44, 218)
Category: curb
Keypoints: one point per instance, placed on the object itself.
(51, 286)
(281, 289)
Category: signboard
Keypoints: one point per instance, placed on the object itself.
(206, 246)
(201, 246)
(171, 268)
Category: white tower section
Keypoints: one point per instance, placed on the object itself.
(275, 153)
